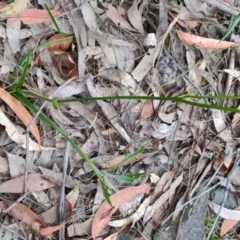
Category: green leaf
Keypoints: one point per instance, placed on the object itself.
(126, 178)
(55, 104)
(53, 125)
(105, 193)
(52, 18)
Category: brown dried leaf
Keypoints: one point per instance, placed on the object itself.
(228, 224)
(202, 42)
(148, 109)
(21, 112)
(22, 213)
(59, 47)
(225, 166)
(33, 16)
(162, 184)
(47, 230)
(117, 199)
(35, 180)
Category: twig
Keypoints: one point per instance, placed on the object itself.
(15, 203)
(222, 6)
(62, 194)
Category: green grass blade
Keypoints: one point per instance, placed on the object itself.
(53, 125)
(22, 78)
(53, 19)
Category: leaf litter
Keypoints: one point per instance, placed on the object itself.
(186, 148)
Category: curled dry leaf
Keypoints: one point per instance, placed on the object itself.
(228, 224)
(35, 180)
(21, 213)
(59, 47)
(33, 16)
(224, 166)
(21, 112)
(105, 211)
(202, 42)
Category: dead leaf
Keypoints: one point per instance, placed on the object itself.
(33, 16)
(162, 199)
(135, 17)
(224, 166)
(80, 229)
(73, 196)
(117, 199)
(225, 212)
(13, 8)
(162, 185)
(117, 160)
(191, 39)
(21, 213)
(147, 110)
(21, 112)
(47, 230)
(115, 16)
(35, 180)
(228, 224)
(134, 217)
(59, 47)
(108, 132)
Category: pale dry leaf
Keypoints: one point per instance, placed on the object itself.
(80, 229)
(162, 185)
(115, 16)
(225, 212)
(126, 79)
(35, 183)
(105, 211)
(154, 178)
(228, 224)
(233, 72)
(17, 137)
(234, 177)
(16, 165)
(219, 122)
(3, 32)
(108, 132)
(199, 10)
(135, 17)
(13, 8)
(42, 198)
(134, 217)
(56, 178)
(21, 213)
(89, 15)
(117, 160)
(21, 112)
(107, 109)
(73, 196)
(25, 33)
(69, 90)
(13, 34)
(162, 199)
(202, 42)
(3, 165)
(144, 66)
